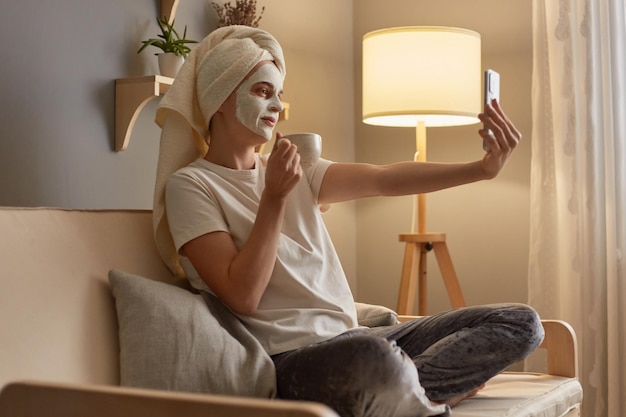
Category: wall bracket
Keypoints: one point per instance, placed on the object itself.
(168, 9)
(131, 95)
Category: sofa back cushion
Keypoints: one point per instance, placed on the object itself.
(57, 314)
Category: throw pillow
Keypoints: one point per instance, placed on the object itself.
(173, 339)
(372, 315)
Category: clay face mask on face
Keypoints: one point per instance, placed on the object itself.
(258, 111)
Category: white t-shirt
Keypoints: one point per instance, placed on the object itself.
(308, 299)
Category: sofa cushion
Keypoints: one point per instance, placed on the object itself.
(523, 394)
(173, 339)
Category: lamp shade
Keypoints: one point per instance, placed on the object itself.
(429, 74)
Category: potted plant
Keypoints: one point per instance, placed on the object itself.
(175, 48)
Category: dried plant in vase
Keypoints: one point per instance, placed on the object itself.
(242, 13)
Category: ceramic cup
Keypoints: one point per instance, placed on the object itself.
(309, 146)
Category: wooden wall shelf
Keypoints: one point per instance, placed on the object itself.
(131, 95)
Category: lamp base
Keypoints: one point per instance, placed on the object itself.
(414, 273)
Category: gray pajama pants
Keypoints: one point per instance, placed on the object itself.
(396, 370)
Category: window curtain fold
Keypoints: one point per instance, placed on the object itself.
(578, 187)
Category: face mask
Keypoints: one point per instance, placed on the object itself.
(256, 111)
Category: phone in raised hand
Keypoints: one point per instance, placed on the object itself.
(491, 87)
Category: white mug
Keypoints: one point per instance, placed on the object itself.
(309, 146)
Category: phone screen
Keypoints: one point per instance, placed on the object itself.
(492, 90)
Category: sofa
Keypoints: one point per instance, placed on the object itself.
(75, 335)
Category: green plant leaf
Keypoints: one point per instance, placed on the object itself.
(170, 40)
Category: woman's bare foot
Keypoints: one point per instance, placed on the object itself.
(453, 402)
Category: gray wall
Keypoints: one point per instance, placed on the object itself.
(60, 59)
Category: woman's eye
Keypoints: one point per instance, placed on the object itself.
(263, 91)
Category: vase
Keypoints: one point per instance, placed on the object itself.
(169, 64)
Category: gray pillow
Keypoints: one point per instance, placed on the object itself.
(173, 339)
(372, 315)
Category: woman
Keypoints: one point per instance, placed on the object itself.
(247, 228)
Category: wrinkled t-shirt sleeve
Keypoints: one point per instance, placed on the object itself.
(315, 175)
(191, 210)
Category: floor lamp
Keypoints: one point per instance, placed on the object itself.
(422, 76)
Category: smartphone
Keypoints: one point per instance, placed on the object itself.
(491, 90)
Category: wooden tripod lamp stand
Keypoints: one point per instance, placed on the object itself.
(421, 76)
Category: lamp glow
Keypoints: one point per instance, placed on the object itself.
(429, 74)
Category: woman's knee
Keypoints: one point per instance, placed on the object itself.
(525, 325)
(386, 360)
(351, 364)
(358, 375)
(370, 361)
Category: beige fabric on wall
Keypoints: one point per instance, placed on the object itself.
(56, 310)
(578, 187)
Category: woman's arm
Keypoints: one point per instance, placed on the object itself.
(239, 277)
(344, 181)
(348, 181)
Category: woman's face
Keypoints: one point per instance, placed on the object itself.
(258, 100)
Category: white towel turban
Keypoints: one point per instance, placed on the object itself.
(211, 72)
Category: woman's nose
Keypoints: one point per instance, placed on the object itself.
(276, 105)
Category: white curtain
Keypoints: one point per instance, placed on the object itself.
(578, 187)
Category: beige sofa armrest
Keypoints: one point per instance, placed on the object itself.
(41, 399)
(562, 348)
(560, 345)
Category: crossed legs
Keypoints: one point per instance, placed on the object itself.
(406, 369)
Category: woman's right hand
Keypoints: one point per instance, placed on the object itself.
(283, 168)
